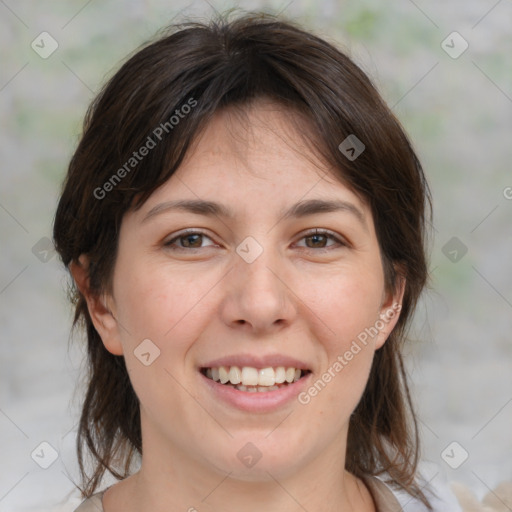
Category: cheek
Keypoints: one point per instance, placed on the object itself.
(348, 303)
(164, 307)
(157, 303)
(349, 306)
(337, 388)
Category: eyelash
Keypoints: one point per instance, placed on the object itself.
(316, 232)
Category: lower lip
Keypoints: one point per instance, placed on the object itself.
(266, 401)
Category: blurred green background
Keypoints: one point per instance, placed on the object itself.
(457, 110)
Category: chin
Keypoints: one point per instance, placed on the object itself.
(257, 462)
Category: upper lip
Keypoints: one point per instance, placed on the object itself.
(270, 360)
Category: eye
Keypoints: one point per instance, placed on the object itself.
(315, 240)
(319, 237)
(187, 240)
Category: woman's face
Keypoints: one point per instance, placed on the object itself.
(250, 287)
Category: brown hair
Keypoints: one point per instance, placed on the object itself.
(231, 62)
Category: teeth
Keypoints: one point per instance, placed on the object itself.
(249, 376)
(235, 375)
(280, 375)
(290, 374)
(264, 379)
(267, 377)
(223, 374)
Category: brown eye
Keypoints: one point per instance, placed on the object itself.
(319, 239)
(193, 241)
(188, 240)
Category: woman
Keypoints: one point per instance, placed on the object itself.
(244, 221)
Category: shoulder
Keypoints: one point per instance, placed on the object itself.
(389, 498)
(92, 504)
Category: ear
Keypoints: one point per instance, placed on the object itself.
(390, 310)
(100, 307)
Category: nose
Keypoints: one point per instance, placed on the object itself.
(257, 296)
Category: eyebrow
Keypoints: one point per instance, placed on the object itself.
(298, 210)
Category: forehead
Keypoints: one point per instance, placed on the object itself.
(263, 149)
(260, 130)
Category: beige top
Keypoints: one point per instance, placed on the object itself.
(384, 498)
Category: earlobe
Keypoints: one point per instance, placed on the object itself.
(99, 308)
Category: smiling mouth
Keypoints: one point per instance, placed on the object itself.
(254, 380)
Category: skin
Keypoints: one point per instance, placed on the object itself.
(205, 302)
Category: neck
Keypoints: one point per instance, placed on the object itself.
(175, 482)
